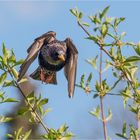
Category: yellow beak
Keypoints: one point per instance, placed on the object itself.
(61, 57)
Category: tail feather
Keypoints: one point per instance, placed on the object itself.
(36, 74)
(48, 77)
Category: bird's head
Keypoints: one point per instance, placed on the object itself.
(59, 55)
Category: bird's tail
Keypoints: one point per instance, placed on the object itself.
(48, 77)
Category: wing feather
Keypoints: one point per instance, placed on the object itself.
(71, 66)
(33, 51)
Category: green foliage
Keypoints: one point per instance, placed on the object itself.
(37, 103)
(133, 132)
(85, 84)
(19, 135)
(124, 68)
(59, 134)
(4, 99)
(4, 119)
(35, 107)
(93, 62)
(96, 112)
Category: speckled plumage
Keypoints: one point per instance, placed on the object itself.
(47, 57)
(53, 56)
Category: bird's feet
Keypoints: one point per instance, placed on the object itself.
(42, 76)
(47, 77)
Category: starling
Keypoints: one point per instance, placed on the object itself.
(53, 55)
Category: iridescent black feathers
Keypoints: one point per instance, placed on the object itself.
(53, 55)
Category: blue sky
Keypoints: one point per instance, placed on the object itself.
(22, 22)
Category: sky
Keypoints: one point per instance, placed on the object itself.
(22, 21)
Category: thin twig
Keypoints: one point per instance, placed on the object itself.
(83, 28)
(36, 114)
(115, 84)
(101, 97)
(114, 94)
(32, 108)
(130, 81)
(100, 79)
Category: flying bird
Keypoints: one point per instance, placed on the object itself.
(52, 55)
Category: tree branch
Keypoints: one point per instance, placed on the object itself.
(101, 97)
(32, 108)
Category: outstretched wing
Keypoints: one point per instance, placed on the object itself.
(71, 66)
(33, 51)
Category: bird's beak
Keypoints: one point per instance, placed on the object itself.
(61, 57)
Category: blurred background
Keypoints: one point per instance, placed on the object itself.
(22, 21)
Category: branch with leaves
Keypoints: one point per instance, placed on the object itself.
(124, 68)
(34, 108)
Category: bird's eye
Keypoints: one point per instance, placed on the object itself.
(56, 54)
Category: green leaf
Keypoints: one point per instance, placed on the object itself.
(120, 135)
(126, 93)
(46, 111)
(26, 135)
(133, 109)
(8, 83)
(107, 66)
(122, 35)
(95, 19)
(123, 135)
(30, 96)
(95, 29)
(124, 129)
(80, 15)
(85, 24)
(111, 51)
(96, 112)
(89, 79)
(10, 136)
(104, 30)
(23, 80)
(111, 35)
(131, 44)
(93, 62)
(5, 52)
(3, 77)
(2, 95)
(97, 86)
(93, 38)
(15, 73)
(62, 128)
(117, 21)
(10, 100)
(1, 67)
(95, 95)
(18, 133)
(82, 82)
(1, 59)
(108, 20)
(3, 63)
(19, 62)
(104, 12)
(109, 117)
(119, 54)
(4, 119)
(73, 12)
(137, 49)
(22, 111)
(12, 58)
(43, 102)
(133, 59)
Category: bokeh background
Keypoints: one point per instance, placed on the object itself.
(22, 21)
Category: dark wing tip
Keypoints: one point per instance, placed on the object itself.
(71, 95)
(71, 67)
